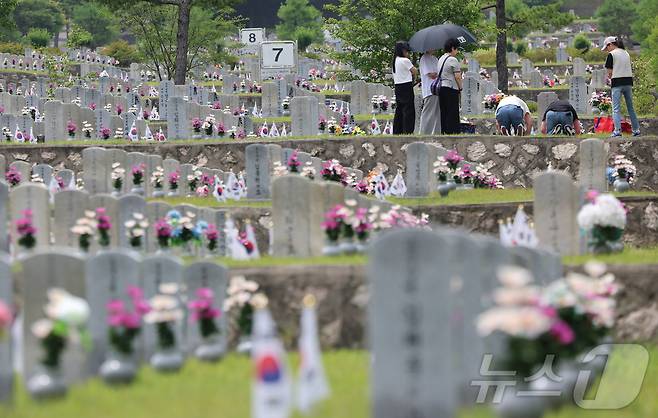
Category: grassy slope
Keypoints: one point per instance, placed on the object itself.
(222, 390)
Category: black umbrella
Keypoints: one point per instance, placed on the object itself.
(435, 37)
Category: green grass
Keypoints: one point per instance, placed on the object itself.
(223, 390)
(486, 196)
(630, 255)
(212, 202)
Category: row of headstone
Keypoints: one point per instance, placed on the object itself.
(70, 205)
(99, 279)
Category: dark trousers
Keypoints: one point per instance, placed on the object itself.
(404, 121)
(449, 103)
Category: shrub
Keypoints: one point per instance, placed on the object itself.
(521, 48)
(582, 43)
(38, 37)
(11, 48)
(123, 51)
(539, 55)
(485, 57)
(644, 88)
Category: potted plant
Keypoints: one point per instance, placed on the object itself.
(71, 127)
(240, 294)
(212, 239)
(624, 173)
(196, 126)
(135, 230)
(87, 129)
(117, 176)
(84, 228)
(293, 162)
(157, 179)
(173, 180)
(13, 177)
(103, 226)
(332, 227)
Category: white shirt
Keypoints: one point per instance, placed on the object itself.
(402, 72)
(513, 100)
(428, 64)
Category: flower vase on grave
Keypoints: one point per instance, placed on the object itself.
(137, 189)
(158, 192)
(331, 247)
(118, 368)
(167, 358)
(621, 185)
(47, 383)
(444, 189)
(211, 349)
(606, 239)
(244, 345)
(172, 192)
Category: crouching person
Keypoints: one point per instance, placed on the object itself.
(560, 118)
(513, 117)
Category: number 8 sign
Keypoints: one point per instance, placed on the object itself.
(281, 54)
(252, 36)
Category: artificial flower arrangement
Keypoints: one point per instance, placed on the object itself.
(211, 234)
(117, 176)
(136, 229)
(567, 318)
(65, 322)
(602, 101)
(333, 171)
(165, 313)
(7, 133)
(322, 124)
(13, 176)
(103, 226)
(239, 301)
(146, 114)
(308, 171)
(333, 127)
(293, 162)
(604, 218)
(138, 174)
(71, 127)
(87, 129)
(85, 229)
(379, 103)
(118, 134)
(178, 230)
(285, 104)
(196, 125)
(464, 175)
(26, 230)
(173, 179)
(157, 179)
(491, 101)
(446, 166)
(194, 178)
(624, 169)
(221, 130)
(105, 133)
(208, 125)
(125, 322)
(205, 314)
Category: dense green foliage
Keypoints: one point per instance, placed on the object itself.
(43, 14)
(78, 37)
(370, 28)
(645, 21)
(122, 51)
(98, 20)
(617, 16)
(301, 22)
(38, 37)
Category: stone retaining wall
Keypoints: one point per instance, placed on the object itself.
(342, 294)
(514, 160)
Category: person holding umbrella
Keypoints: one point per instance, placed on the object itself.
(403, 76)
(450, 85)
(430, 117)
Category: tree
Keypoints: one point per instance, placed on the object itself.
(370, 28)
(38, 37)
(645, 22)
(98, 20)
(183, 9)
(616, 17)
(78, 37)
(300, 22)
(582, 42)
(524, 19)
(156, 33)
(122, 51)
(42, 14)
(6, 10)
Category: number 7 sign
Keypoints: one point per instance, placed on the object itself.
(280, 54)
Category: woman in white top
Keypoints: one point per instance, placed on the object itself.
(620, 73)
(403, 77)
(513, 117)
